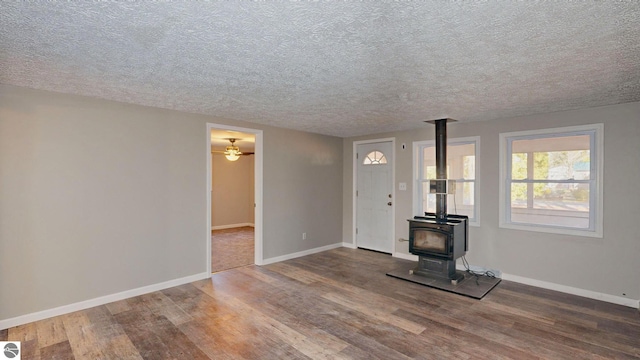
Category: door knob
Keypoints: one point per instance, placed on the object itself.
(389, 203)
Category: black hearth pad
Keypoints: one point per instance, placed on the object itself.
(467, 287)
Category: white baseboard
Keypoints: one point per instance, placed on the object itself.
(66, 309)
(301, 253)
(349, 245)
(231, 226)
(574, 291)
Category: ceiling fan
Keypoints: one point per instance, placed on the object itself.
(232, 152)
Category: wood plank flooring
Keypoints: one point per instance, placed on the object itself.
(232, 248)
(337, 304)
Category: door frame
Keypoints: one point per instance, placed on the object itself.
(258, 180)
(355, 186)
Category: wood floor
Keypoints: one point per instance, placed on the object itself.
(335, 305)
(232, 248)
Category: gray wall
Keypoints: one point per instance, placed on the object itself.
(305, 182)
(608, 265)
(232, 190)
(99, 197)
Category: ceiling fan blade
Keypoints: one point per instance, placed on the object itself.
(232, 148)
(222, 152)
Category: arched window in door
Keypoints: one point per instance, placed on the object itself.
(374, 158)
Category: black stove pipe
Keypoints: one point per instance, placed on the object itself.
(441, 168)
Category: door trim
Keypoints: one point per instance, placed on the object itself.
(258, 176)
(355, 185)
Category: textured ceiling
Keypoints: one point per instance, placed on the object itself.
(338, 68)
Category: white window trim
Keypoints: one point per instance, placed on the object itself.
(599, 156)
(417, 198)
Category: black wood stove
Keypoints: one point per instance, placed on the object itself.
(438, 244)
(439, 238)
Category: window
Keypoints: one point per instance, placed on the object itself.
(551, 180)
(374, 158)
(462, 163)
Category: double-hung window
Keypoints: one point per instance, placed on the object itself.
(551, 180)
(462, 165)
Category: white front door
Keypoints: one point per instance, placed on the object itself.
(374, 202)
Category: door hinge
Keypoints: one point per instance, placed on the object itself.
(356, 155)
(356, 231)
(356, 192)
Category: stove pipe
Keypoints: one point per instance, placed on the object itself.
(441, 168)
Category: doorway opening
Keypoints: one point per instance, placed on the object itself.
(234, 198)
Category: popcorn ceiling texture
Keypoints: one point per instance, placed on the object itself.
(337, 68)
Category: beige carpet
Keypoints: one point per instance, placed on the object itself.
(232, 248)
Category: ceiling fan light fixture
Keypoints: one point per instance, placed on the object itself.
(232, 156)
(232, 152)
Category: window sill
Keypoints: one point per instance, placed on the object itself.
(552, 230)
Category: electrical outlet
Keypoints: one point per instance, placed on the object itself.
(402, 186)
(304, 236)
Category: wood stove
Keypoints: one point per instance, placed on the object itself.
(438, 244)
(439, 238)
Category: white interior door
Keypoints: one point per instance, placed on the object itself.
(374, 202)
